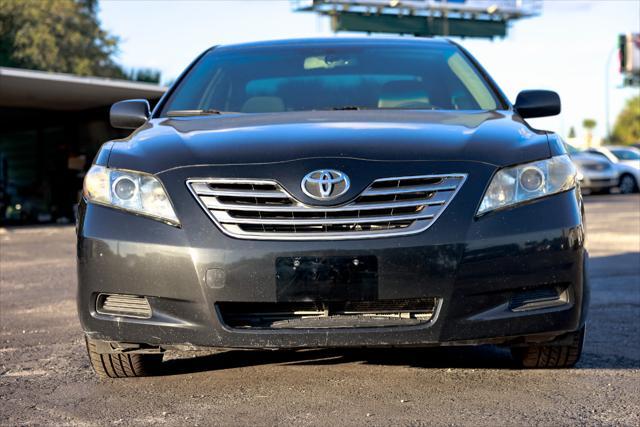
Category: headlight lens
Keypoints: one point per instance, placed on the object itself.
(522, 183)
(132, 191)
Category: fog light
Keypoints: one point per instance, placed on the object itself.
(539, 298)
(123, 305)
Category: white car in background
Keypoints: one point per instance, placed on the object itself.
(627, 162)
(595, 173)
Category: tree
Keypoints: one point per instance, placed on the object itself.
(627, 127)
(589, 125)
(147, 75)
(572, 132)
(59, 36)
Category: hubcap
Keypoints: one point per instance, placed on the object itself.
(627, 185)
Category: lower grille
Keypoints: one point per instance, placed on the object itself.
(316, 315)
(123, 305)
(263, 209)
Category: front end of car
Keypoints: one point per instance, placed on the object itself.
(332, 193)
(413, 254)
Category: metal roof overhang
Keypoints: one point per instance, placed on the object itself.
(21, 88)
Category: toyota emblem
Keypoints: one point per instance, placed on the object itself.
(325, 184)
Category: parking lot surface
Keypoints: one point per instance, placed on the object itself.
(45, 377)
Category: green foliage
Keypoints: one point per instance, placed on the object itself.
(56, 35)
(572, 132)
(589, 124)
(627, 128)
(147, 75)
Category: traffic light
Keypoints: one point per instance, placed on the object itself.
(629, 54)
(622, 51)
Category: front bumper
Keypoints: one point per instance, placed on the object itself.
(592, 180)
(473, 265)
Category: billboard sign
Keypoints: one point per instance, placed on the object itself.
(511, 7)
(463, 18)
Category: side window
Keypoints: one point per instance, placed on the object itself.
(626, 154)
(620, 154)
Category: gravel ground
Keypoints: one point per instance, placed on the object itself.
(45, 377)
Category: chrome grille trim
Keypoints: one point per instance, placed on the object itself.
(214, 203)
(263, 210)
(203, 190)
(225, 218)
(406, 190)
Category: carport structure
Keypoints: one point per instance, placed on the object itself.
(51, 126)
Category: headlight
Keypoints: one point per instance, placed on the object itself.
(522, 183)
(132, 191)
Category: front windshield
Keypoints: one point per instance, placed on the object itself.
(626, 154)
(277, 79)
(571, 149)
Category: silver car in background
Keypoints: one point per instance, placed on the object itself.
(626, 160)
(596, 173)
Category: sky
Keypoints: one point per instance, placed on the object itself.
(566, 48)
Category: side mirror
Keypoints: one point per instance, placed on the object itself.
(537, 103)
(130, 114)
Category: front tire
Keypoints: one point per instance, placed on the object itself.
(550, 356)
(122, 365)
(628, 184)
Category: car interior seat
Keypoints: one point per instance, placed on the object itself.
(403, 94)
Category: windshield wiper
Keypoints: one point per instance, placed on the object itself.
(358, 107)
(186, 113)
(349, 107)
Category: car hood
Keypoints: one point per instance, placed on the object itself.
(587, 158)
(497, 138)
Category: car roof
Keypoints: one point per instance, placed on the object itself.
(339, 41)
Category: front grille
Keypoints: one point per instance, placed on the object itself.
(263, 209)
(315, 315)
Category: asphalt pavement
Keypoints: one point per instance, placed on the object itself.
(45, 377)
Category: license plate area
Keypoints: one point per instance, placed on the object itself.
(326, 279)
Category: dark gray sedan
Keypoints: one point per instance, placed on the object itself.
(332, 193)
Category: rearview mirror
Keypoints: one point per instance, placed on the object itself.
(537, 103)
(129, 114)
